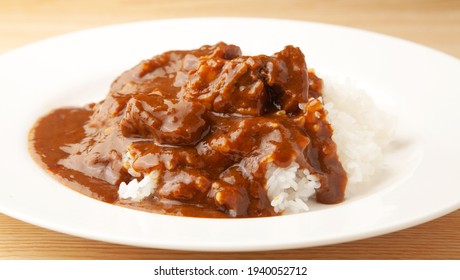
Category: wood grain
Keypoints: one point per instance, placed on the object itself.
(438, 239)
(429, 22)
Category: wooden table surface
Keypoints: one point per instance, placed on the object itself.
(429, 22)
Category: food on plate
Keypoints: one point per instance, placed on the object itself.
(205, 132)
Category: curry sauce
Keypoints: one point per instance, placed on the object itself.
(209, 122)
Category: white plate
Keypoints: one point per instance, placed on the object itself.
(418, 85)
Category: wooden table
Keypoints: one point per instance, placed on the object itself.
(429, 22)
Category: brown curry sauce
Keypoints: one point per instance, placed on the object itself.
(209, 121)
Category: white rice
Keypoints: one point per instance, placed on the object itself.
(361, 132)
(289, 188)
(137, 191)
(361, 129)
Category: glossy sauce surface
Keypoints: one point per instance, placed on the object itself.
(209, 121)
